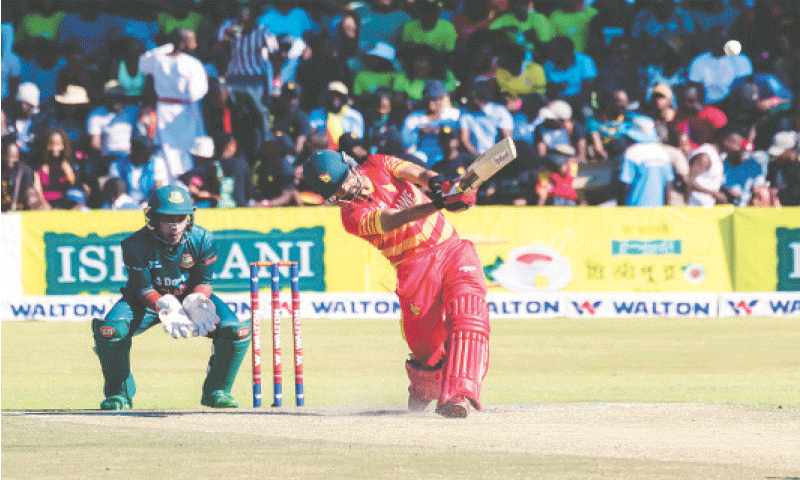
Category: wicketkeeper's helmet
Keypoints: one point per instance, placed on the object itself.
(325, 171)
(169, 200)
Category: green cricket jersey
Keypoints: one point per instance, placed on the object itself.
(152, 264)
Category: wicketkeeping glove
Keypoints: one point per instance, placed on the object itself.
(174, 318)
(201, 312)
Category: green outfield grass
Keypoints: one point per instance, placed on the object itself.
(50, 365)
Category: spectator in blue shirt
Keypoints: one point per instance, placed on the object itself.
(570, 75)
(284, 18)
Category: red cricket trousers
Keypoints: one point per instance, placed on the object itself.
(428, 282)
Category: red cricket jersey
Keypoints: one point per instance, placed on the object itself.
(362, 217)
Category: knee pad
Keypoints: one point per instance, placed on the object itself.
(109, 330)
(467, 319)
(233, 331)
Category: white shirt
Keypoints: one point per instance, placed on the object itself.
(116, 129)
(712, 179)
(180, 83)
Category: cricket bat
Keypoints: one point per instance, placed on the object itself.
(484, 167)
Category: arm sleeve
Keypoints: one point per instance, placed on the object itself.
(198, 83)
(203, 271)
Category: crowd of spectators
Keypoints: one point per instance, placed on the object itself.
(610, 102)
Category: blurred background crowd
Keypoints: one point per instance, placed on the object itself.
(610, 102)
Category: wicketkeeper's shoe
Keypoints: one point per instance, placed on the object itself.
(219, 399)
(457, 407)
(116, 402)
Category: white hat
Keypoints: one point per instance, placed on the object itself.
(781, 142)
(113, 88)
(557, 110)
(382, 50)
(73, 95)
(337, 86)
(202, 147)
(28, 92)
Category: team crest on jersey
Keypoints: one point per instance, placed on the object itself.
(243, 332)
(187, 261)
(415, 309)
(325, 177)
(107, 332)
(175, 197)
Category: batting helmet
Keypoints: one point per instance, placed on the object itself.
(325, 172)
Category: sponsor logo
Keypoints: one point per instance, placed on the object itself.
(187, 261)
(646, 247)
(93, 264)
(587, 307)
(694, 273)
(107, 332)
(243, 332)
(501, 158)
(533, 268)
(743, 307)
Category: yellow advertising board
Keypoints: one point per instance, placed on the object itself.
(767, 249)
(70, 252)
(522, 249)
(621, 249)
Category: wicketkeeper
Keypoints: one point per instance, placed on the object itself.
(440, 281)
(169, 265)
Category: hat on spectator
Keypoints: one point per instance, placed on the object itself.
(382, 50)
(113, 88)
(556, 110)
(348, 141)
(28, 92)
(73, 95)
(337, 86)
(641, 129)
(203, 147)
(434, 89)
(781, 142)
(663, 89)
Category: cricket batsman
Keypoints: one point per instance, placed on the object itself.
(440, 281)
(169, 264)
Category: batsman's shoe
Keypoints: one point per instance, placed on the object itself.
(219, 399)
(417, 404)
(116, 402)
(458, 407)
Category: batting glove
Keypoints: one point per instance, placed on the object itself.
(202, 312)
(458, 202)
(174, 318)
(435, 186)
(451, 198)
